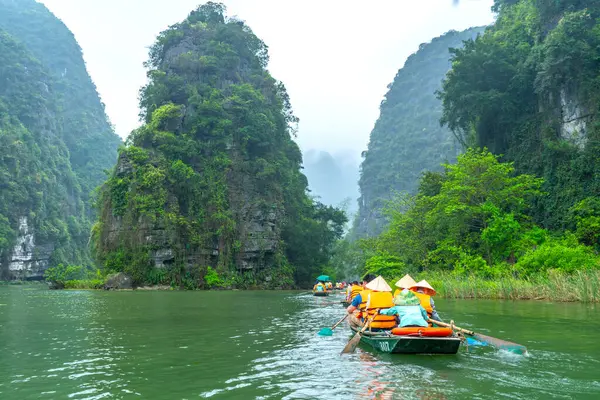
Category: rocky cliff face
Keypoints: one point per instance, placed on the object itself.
(212, 179)
(407, 139)
(55, 142)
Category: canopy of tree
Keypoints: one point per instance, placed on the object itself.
(211, 183)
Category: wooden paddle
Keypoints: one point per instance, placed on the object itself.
(492, 341)
(351, 345)
(329, 331)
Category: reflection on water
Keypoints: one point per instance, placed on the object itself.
(181, 345)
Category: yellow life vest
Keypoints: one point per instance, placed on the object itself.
(377, 300)
(425, 300)
(354, 291)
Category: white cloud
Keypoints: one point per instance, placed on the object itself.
(335, 57)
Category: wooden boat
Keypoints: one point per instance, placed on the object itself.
(320, 294)
(388, 343)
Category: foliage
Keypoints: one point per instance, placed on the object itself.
(407, 138)
(386, 265)
(585, 215)
(74, 277)
(470, 219)
(563, 255)
(473, 220)
(212, 278)
(528, 88)
(213, 176)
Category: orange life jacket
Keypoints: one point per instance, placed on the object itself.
(425, 300)
(377, 300)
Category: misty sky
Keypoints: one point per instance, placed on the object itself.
(335, 57)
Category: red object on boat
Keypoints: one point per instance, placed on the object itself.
(420, 331)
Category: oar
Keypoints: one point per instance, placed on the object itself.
(497, 343)
(329, 331)
(351, 346)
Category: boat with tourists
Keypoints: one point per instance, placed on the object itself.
(412, 341)
(320, 287)
(408, 323)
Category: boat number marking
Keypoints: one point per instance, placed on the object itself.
(384, 346)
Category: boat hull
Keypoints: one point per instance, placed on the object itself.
(320, 294)
(345, 304)
(410, 344)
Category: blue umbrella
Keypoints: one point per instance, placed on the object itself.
(324, 278)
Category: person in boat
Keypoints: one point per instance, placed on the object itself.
(353, 290)
(328, 285)
(408, 309)
(425, 293)
(405, 283)
(376, 296)
(319, 287)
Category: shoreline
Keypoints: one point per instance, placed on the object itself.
(580, 287)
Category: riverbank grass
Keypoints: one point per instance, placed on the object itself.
(582, 286)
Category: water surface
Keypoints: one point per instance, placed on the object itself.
(244, 345)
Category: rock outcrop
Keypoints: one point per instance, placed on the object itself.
(119, 281)
(213, 177)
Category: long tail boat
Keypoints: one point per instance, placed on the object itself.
(414, 343)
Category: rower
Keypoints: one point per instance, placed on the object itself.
(425, 293)
(376, 296)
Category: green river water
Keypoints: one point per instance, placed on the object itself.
(264, 345)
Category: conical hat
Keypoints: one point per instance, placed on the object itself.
(379, 285)
(423, 284)
(406, 282)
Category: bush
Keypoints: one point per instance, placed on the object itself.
(212, 278)
(558, 255)
(66, 276)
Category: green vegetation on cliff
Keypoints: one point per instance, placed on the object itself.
(520, 220)
(36, 180)
(407, 139)
(85, 129)
(529, 89)
(474, 220)
(55, 142)
(212, 179)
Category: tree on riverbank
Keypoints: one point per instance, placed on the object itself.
(475, 218)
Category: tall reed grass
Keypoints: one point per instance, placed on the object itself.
(583, 286)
